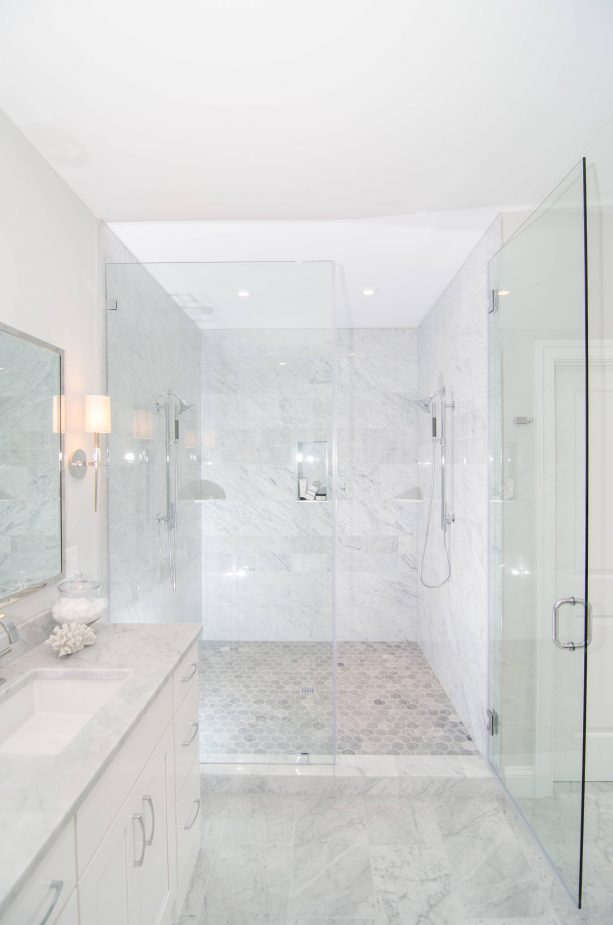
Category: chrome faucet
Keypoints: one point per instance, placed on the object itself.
(12, 636)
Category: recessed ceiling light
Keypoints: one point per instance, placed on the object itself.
(282, 363)
(504, 292)
(368, 291)
(243, 293)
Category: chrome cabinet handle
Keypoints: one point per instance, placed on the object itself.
(189, 676)
(149, 801)
(138, 817)
(555, 623)
(193, 735)
(190, 824)
(57, 886)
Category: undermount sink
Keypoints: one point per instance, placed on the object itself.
(44, 712)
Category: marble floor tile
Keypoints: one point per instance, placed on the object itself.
(335, 822)
(331, 860)
(414, 885)
(258, 819)
(309, 920)
(332, 879)
(488, 867)
(248, 886)
(398, 821)
(442, 856)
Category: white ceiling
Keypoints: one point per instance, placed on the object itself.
(279, 109)
(407, 259)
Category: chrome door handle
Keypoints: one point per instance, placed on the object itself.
(189, 676)
(149, 800)
(555, 623)
(193, 735)
(57, 886)
(190, 824)
(138, 817)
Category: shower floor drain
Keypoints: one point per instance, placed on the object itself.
(307, 690)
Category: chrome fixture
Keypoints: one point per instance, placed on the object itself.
(437, 407)
(11, 632)
(171, 436)
(97, 421)
(555, 623)
(12, 636)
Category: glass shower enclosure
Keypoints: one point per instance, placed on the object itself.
(222, 488)
(539, 618)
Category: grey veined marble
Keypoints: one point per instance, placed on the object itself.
(447, 856)
(275, 699)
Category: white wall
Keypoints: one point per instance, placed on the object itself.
(49, 272)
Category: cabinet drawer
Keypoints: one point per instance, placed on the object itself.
(189, 814)
(49, 887)
(185, 676)
(187, 740)
(96, 815)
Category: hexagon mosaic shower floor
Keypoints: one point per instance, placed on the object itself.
(275, 699)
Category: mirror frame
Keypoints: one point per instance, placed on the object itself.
(52, 579)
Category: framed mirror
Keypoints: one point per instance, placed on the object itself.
(31, 453)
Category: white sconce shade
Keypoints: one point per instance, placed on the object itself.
(97, 414)
(58, 414)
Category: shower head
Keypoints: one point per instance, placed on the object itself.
(183, 405)
(425, 404)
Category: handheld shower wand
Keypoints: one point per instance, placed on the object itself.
(437, 414)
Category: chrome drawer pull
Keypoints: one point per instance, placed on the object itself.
(193, 735)
(57, 886)
(138, 817)
(189, 676)
(149, 800)
(190, 824)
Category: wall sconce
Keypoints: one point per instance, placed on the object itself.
(97, 421)
(58, 414)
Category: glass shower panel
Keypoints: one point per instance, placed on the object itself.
(153, 357)
(538, 546)
(261, 488)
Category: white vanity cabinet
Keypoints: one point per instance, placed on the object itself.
(130, 879)
(44, 898)
(127, 856)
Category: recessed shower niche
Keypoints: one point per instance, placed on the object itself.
(312, 465)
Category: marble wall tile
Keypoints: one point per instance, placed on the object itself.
(453, 619)
(268, 560)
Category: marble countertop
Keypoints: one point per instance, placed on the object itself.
(39, 793)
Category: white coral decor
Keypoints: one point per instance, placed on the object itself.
(71, 637)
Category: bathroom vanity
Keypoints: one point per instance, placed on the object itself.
(100, 797)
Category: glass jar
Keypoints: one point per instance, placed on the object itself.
(80, 601)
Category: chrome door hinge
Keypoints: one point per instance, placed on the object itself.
(493, 722)
(111, 305)
(493, 306)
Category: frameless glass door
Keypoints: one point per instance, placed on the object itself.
(538, 523)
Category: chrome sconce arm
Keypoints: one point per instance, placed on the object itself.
(97, 421)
